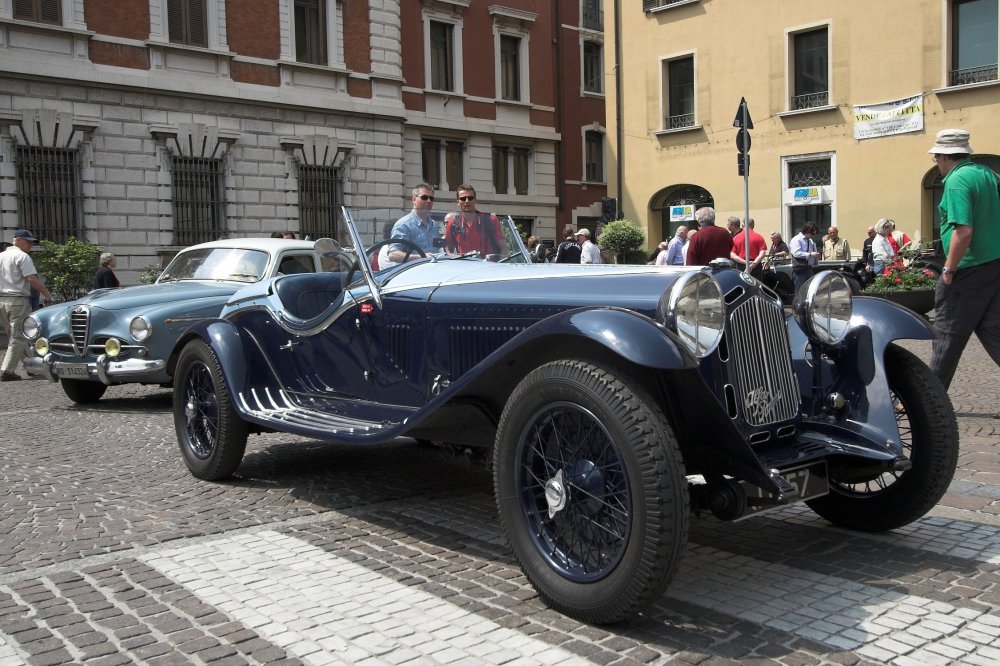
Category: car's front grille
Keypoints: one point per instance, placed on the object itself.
(760, 362)
(79, 324)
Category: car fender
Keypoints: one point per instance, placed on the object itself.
(227, 344)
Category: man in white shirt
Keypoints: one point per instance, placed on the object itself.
(676, 247)
(589, 253)
(17, 277)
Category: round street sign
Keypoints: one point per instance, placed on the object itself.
(743, 140)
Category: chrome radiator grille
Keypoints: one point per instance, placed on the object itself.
(760, 361)
(79, 324)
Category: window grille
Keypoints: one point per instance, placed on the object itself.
(809, 173)
(186, 22)
(39, 11)
(321, 194)
(649, 5)
(311, 31)
(49, 201)
(810, 80)
(680, 93)
(199, 201)
(591, 16)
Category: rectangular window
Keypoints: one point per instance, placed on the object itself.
(199, 204)
(321, 193)
(501, 157)
(442, 56)
(510, 68)
(511, 166)
(807, 173)
(39, 11)
(430, 158)
(591, 15)
(454, 163)
(973, 42)
(311, 31)
(520, 170)
(48, 192)
(810, 76)
(594, 162)
(679, 86)
(593, 67)
(187, 21)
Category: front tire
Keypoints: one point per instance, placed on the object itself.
(83, 392)
(929, 435)
(211, 435)
(591, 490)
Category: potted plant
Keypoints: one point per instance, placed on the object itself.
(912, 288)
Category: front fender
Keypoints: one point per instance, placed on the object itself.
(225, 341)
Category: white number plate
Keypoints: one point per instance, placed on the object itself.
(72, 370)
(810, 480)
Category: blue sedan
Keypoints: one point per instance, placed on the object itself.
(122, 336)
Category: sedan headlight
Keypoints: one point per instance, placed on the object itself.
(140, 328)
(696, 313)
(30, 327)
(112, 347)
(823, 308)
(41, 346)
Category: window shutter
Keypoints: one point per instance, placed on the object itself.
(24, 10)
(324, 23)
(197, 31)
(175, 20)
(48, 11)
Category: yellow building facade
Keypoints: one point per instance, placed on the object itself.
(845, 99)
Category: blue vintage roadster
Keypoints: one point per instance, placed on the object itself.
(616, 401)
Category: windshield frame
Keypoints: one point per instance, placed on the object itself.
(217, 264)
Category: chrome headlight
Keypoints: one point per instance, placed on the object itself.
(112, 347)
(823, 307)
(41, 346)
(696, 313)
(30, 327)
(140, 328)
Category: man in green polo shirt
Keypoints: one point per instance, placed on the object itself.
(967, 299)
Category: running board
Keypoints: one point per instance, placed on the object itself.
(268, 409)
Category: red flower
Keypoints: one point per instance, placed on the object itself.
(898, 280)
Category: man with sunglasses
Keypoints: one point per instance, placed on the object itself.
(416, 227)
(471, 231)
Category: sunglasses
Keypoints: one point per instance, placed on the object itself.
(467, 198)
(426, 197)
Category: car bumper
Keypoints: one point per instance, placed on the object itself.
(105, 370)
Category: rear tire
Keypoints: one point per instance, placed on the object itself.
(591, 490)
(929, 435)
(82, 391)
(211, 435)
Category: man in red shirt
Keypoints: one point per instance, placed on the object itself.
(758, 248)
(711, 242)
(472, 231)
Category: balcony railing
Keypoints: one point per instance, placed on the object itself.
(592, 19)
(810, 100)
(681, 121)
(649, 5)
(964, 77)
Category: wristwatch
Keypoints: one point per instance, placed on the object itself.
(947, 271)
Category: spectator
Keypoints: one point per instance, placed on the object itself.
(105, 277)
(967, 298)
(290, 235)
(733, 225)
(416, 226)
(472, 231)
(882, 252)
(866, 250)
(835, 247)
(277, 234)
(589, 253)
(758, 248)
(536, 250)
(569, 250)
(779, 248)
(655, 254)
(17, 277)
(805, 256)
(711, 242)
(676, 247)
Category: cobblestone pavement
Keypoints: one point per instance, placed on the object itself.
(112, 553)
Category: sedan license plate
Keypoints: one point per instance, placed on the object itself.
(810, 480)
(72, 370)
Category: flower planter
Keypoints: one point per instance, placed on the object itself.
(920, 301)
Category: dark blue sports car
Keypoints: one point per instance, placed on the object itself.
(615, 401)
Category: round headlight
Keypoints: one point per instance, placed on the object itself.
(112, 347)
(696, 313)
(41, 346)
(140, 328)
(30, 327)
(823, 307)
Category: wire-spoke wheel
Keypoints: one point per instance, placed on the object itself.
(591, 490)
(211, 435)
(929, 438)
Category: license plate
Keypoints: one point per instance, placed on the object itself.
(72, 370)
(810, 480)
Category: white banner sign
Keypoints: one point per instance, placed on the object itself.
(897, 117)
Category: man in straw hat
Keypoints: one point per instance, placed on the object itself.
(968, 296)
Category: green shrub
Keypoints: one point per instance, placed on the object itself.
(622, 238)
(68, 268)
(150, 274)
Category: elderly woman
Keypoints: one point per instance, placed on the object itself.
(882, 252)
(105, 277)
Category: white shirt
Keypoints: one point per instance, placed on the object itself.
(590, 253)
(15, 267)
(881, 249)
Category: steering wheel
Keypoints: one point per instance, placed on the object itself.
(374, 249)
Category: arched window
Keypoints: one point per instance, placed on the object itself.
(677, 195)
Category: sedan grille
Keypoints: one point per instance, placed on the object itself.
(766, 387)
(79, 324)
